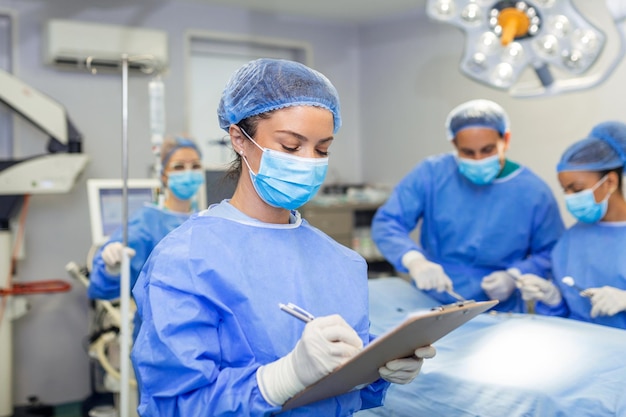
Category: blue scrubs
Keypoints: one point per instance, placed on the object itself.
(208, 297)
(589, 253)
(470, 230)
(146, 227)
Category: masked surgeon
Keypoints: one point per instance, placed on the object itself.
(588, 268)
(182, 176)
(484, 218)
(213, 340)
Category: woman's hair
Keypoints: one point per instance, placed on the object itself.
(249, 125)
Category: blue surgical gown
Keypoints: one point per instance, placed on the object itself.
(470, 230)
(146, 227)
(208, 297)
(589, 253)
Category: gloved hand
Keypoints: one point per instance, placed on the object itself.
(112, 256)
(326, 343)
(536, 288)
(403, 371)
(498, 285)
(427, 275)
(606, 301)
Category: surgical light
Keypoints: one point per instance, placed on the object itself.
(504, 38)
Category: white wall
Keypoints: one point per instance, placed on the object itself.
(410, 80)
(49, 357)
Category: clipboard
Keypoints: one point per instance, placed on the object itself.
(419, 329)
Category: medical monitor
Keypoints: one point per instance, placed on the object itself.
(106, 204)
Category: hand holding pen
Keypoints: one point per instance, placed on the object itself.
(326, 343)
(344, 344)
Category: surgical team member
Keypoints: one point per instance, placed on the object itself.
(590, 172)
(182, 176)
(484, 218)
(214, 340)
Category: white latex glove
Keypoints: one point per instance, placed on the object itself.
(403, 371)
(326, 343)
(427, 275)
(536, 288)
(606, 301)
(498, 285)
(112, 256)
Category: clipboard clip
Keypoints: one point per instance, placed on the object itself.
(453, 306)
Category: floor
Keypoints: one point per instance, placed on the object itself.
(41, 410)
(62, 410)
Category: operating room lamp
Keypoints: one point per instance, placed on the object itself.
(504, 38)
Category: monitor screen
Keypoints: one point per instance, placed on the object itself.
(106, 204)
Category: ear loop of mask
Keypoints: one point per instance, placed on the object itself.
(597, 185)
(245, 160)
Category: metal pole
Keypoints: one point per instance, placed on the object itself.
(125, 267)
(6, 327)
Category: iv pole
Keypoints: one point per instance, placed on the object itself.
(125, 267)
(125, 337)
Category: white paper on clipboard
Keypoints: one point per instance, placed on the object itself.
(419, 329)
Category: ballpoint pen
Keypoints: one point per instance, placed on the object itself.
(297, 312)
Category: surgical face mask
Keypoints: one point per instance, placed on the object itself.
(185, 184)
(480, 172)
(284, 180)
(583, 204)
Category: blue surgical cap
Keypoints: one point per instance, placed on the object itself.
(477, 113)
(172, 145)
(603, 149)
(265, 84)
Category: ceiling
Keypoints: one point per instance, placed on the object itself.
(355, 11)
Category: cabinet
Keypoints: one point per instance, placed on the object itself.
(350, 225)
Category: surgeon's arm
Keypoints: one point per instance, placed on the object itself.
(185, 363)
(398, 217)
(104, 284)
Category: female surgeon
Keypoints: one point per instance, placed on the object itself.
(213, 337)
(182, 175)
(590, 172)
(484, 218)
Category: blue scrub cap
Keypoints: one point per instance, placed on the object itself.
(265, 84)
(477, 113)
(170, 146)
(603, 149)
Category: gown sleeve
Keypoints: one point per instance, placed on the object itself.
(398, 217)
(184, 358)
(106, 286)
